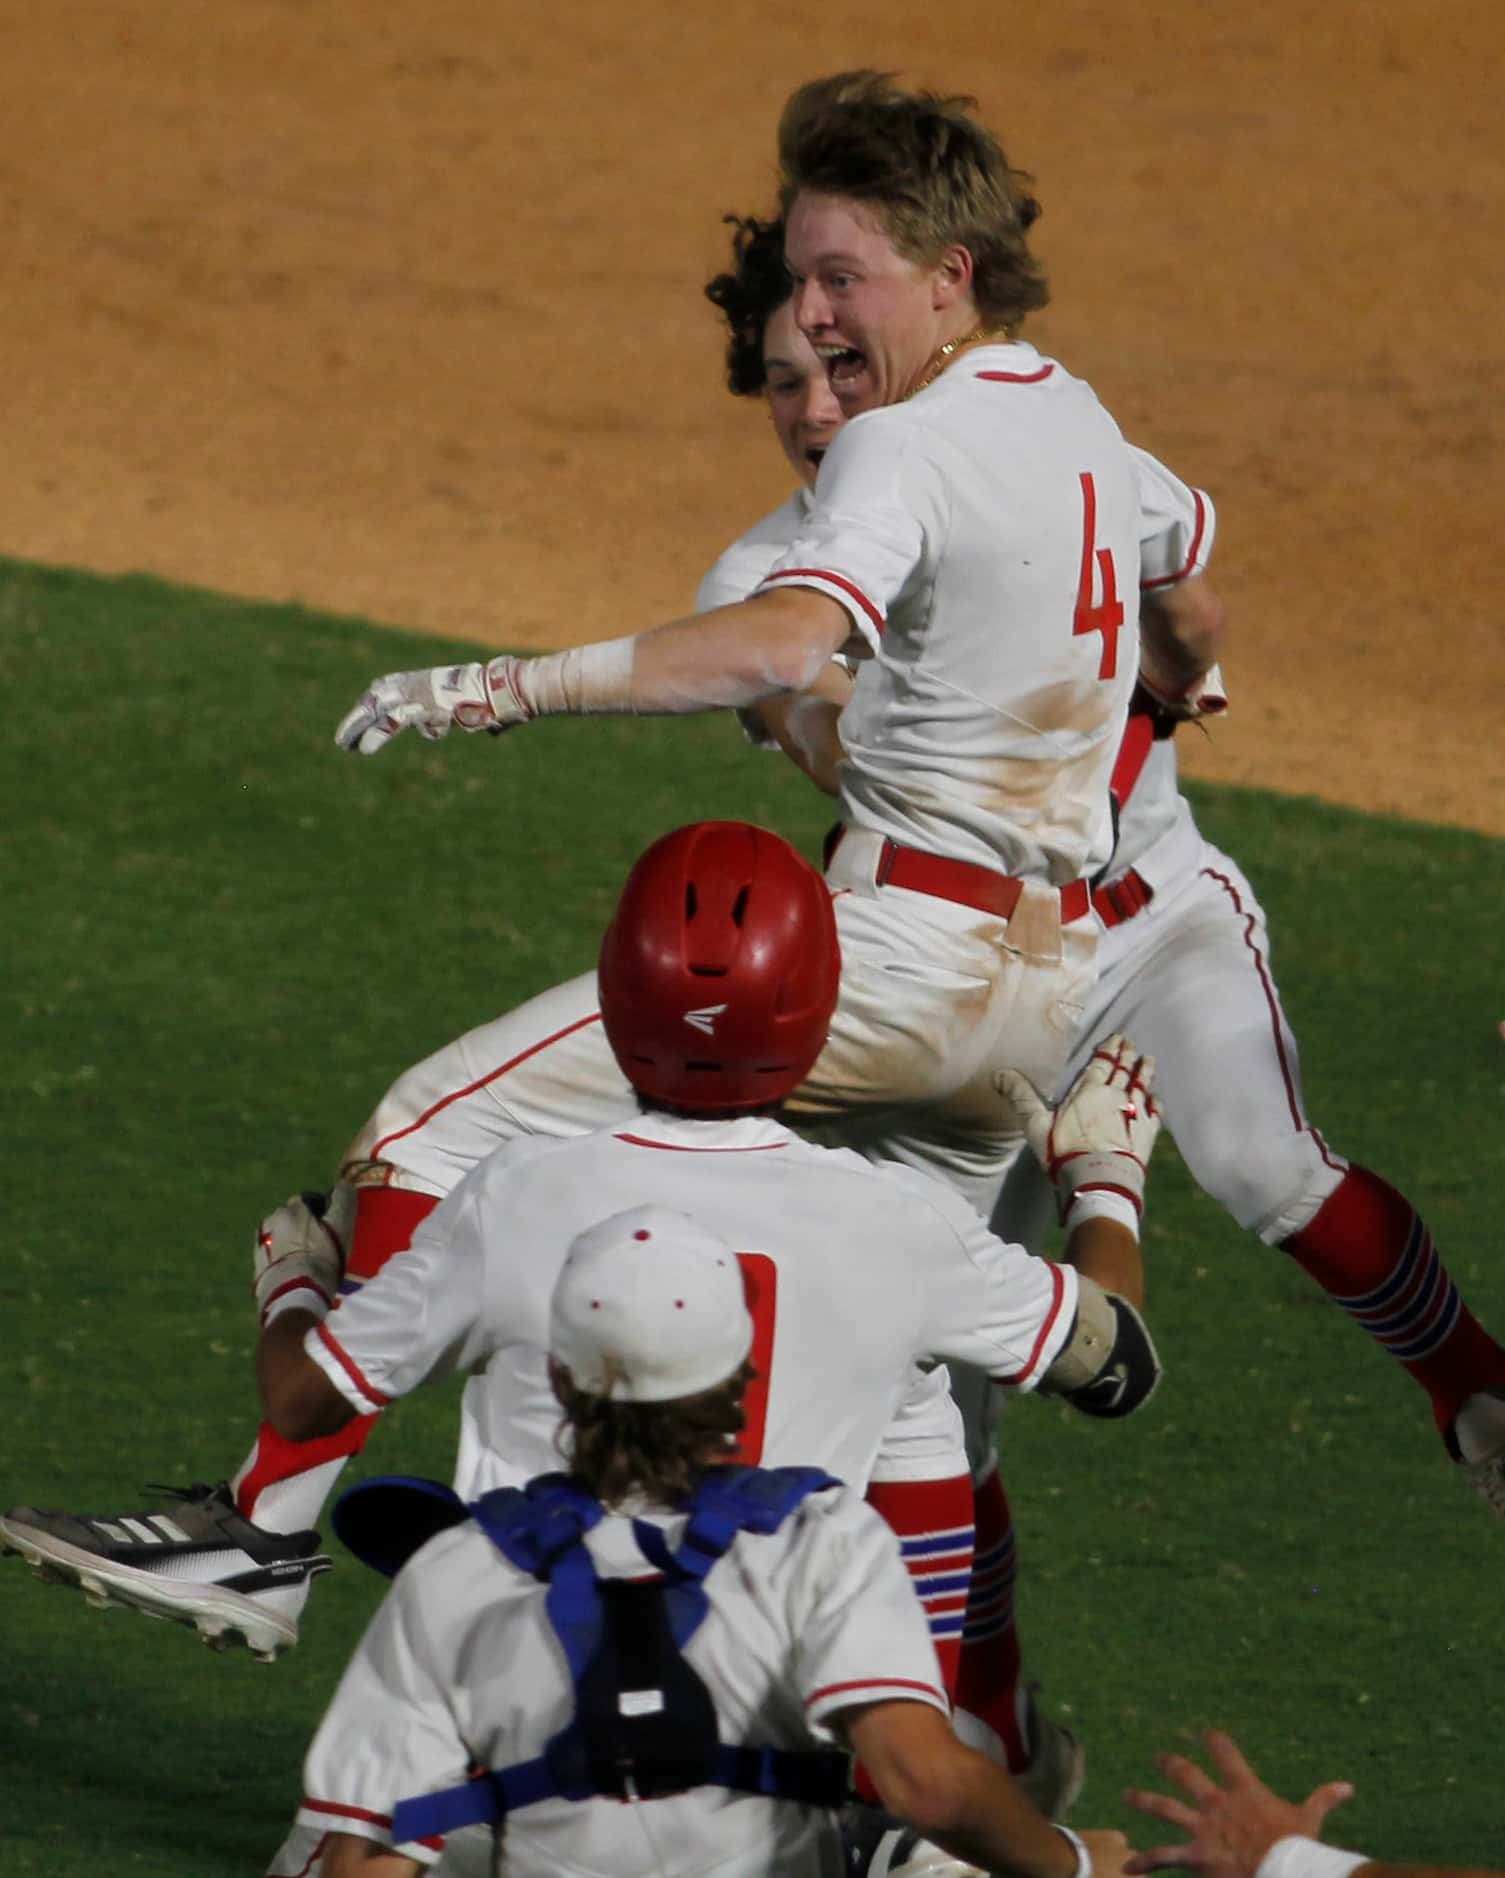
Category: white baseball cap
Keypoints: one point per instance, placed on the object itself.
(649, 1307)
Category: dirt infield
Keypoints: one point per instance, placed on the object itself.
(396, 311)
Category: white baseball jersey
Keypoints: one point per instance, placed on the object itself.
(919, 970)
(984, 539)
(461, 1665)
(542, 1069)
(546, 1070)
(852, 1273)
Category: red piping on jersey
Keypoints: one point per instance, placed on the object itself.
(349, 1812)
(875, 1682)
(1016, 378)
(351, 1368)
(674, 1147)
(1058, 1281)
(481, 1082)
(1298, 1120)
(1169, 580)
(836, 580)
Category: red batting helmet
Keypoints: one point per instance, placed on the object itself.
(719, 970)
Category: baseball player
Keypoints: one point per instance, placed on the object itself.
(1243, 1830)
(1184, 968)
(546, 1069)
(684, 1636)
(853, 1272)
(974, 543)
(1185, 964)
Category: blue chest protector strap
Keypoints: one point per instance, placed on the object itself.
(644, 1723)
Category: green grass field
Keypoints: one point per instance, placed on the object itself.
(225, 939)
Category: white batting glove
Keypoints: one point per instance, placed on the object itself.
(298, 1252)
(476, 697)
(1099, 1137)
(1203, 697)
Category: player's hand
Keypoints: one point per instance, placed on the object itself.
(1231, 1826)
(1205, 696)
(1100, 1136)
(298, 1252)
(476, 697)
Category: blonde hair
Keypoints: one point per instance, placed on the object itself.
(936, 177)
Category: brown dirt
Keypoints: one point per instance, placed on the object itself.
(395, 310)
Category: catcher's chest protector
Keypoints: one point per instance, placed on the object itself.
(644, 1724)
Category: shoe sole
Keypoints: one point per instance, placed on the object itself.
(221, 1617)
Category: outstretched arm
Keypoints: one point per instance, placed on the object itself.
(967, 1804)
(1239, 1828)
(766, 647)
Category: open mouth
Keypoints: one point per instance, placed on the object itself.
(816, 455)
(843, 364)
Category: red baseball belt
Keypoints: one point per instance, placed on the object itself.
(1121, 899)
(964, 882)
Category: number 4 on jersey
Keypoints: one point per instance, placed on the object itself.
(1107, 616)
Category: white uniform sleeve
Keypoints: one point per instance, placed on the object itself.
(389, 1734)
(878, 500)
(733, 578)
(860, 1632)
(1176, 524)
(994, 1305)
(420, 1318)
(737, 573)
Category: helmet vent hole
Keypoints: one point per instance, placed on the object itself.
(689, 899)
(739, 907)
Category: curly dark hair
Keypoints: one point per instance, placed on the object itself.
(937, 177)
(659, 1449)
(749, 296)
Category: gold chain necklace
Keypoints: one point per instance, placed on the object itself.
(942, 356)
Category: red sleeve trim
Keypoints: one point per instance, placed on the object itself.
(877, 1682)
(349, 1812)
(481, 1081)
(351, 1367)
(384, 1820)
(1058, 1283)
(836, 580)
(1017, 378)
(1169, 580)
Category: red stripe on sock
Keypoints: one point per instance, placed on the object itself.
(280, 1459)
(385, 1220)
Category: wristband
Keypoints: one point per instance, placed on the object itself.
(585, 681)
(296, 1292)
(1101, 1202)
(1083, 1856)
(1306, 1858)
